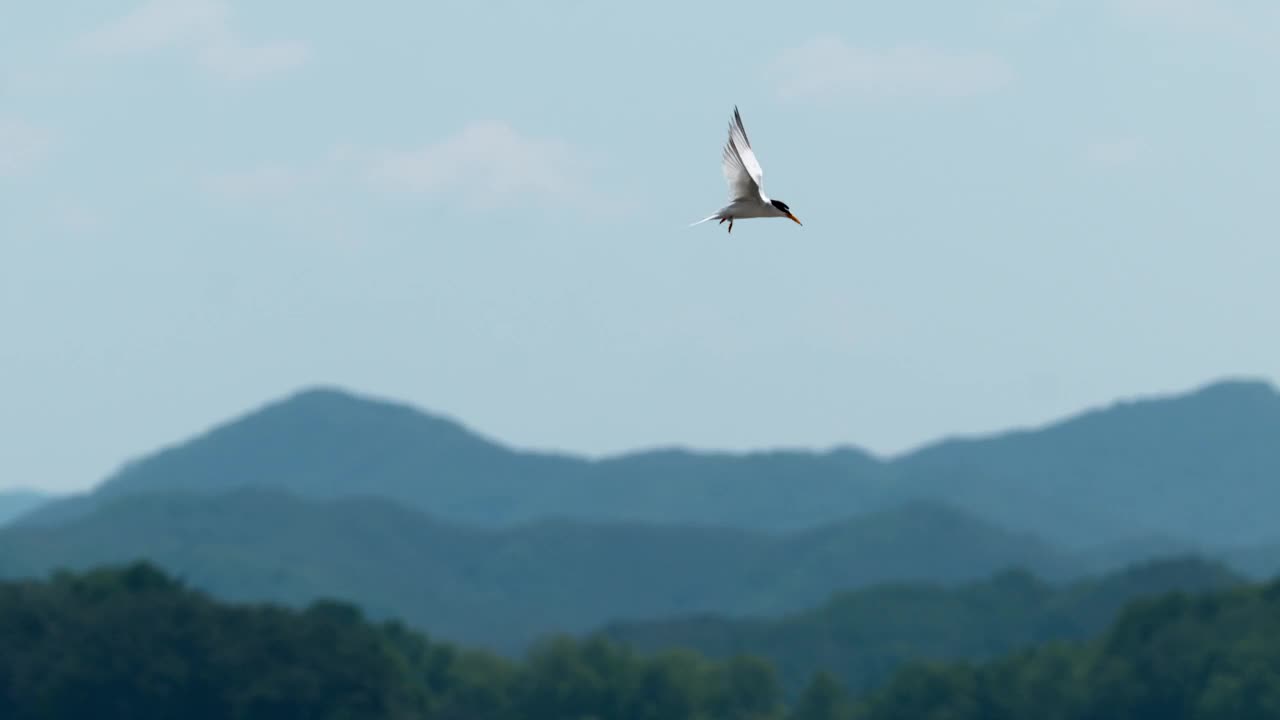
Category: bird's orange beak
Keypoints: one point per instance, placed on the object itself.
(795, 219)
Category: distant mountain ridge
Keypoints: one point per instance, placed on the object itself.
(1198, 468)
(17, 503)
(1202, 467)
(324, 443)
(502, 587)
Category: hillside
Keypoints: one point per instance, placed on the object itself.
(862, 637)
(1200, 468)
(1195, 470)
(1210, 656)
(131, 643)
(16, 503)
(501, 588)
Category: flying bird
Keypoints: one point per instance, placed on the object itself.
(745, 178)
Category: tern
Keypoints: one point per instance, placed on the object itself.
(745, 178)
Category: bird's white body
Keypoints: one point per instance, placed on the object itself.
(748, 208)
(745, 178)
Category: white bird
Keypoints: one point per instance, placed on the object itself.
(745, 177)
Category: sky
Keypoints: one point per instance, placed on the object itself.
(1013, 210)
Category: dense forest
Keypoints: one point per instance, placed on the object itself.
(132, 642)
(1204, 657)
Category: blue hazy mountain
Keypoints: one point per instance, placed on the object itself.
(325, 443)
(17, 503)
(1196, 469)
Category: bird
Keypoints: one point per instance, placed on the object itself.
(745, 178)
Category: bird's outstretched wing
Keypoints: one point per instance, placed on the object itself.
(741, 169)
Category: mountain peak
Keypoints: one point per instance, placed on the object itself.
(325, 400)
(1238, 388)
(321, 440)
(1226, 390)
(325, 394)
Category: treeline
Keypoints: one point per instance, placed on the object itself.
(134, 643)
(1177, 657)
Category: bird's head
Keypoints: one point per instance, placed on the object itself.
(786, 211)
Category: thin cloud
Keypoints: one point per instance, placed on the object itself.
(78, 220)
(157, 25)
(263, 182)
(231, 59)
(486, 163)
(1199, 14)
(275, 181)
(202, 27)
(482, 166)
(1253, 22)
(1115, 153)
(828, 68)
(22, 147)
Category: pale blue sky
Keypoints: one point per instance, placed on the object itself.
(1013, 210)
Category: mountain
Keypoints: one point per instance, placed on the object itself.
(17, 503)
(1259, 561)
(502, 587)
(1197, 470)
(1202, 467)
(864, 636)
(324, 443)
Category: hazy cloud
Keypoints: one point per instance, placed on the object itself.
(80, 220)
(485, 163)
(1115, 153)
(1030, 14)
(159, 24)
(273, 181)
(826, 67)
(232, 59)
(1186, 13)
(1254, 21)
(202, 27)
(22, 146)
(265, 181)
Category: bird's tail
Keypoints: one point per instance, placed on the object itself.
(709, 217)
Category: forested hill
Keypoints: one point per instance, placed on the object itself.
(133, 643)
(1174, 657)
(503, 587)
(863, 636)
